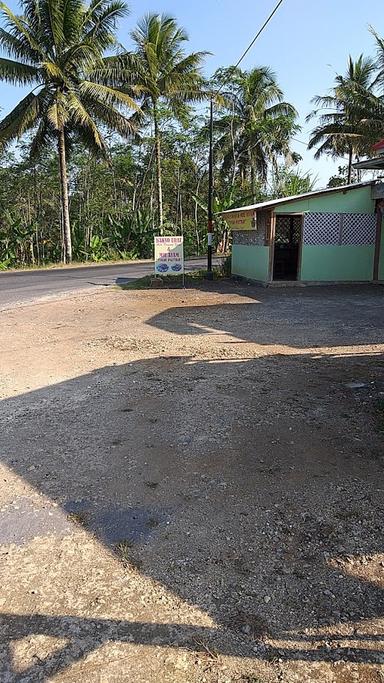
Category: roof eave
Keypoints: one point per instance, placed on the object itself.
(374, 164)
(294, 198)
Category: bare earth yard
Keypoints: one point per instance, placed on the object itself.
(191, 487)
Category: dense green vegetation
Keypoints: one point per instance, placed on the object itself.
(110, 146)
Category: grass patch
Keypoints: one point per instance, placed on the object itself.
(78, 518)
(208, 650)
(124, 548)
(124, 551)
(191, 279)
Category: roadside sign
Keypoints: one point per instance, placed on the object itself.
(240, 220)
(169, 255)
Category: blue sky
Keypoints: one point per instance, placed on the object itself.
(306, 43)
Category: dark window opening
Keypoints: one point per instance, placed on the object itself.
(287, 247)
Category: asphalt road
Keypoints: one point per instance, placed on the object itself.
(23, 287)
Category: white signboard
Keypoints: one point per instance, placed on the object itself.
(169, 255)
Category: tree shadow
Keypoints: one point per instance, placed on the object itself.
(302, 317)
(84, 636)
(251, 490)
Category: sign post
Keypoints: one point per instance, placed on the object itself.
(169, 255)
(210, 196)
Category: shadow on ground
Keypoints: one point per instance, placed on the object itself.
(304, 317)
(247, 486)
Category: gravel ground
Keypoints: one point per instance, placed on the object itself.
(191, 487)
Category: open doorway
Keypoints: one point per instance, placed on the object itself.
(288, 231)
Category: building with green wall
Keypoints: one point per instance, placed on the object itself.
(331, 235)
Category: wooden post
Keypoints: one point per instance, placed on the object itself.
(379, 220)
(272, 245)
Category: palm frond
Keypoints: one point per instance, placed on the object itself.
(17, 47)
(18, 73)
(82, 118)
(281, 109)
(22, 118)
(107, 95)
(43, 137)
(110, 117)
(121, 70)
(100, 22)
(18, 28)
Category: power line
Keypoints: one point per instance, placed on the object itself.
(210, 161)
(251, 44)
(300, 141)
(253, 41)
(342, 156)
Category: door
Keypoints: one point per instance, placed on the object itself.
(287, 247)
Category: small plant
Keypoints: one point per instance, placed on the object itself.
(123, 549)
(78, 518)
(208, 650)
(130, 255)
(226, 266)
(124, 552)
(124, 545)
(99, 248)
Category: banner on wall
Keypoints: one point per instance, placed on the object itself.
(169, 255)
(240, 220)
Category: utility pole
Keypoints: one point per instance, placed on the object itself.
(210, 196)
(210, 167)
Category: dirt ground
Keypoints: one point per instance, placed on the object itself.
(191, 487)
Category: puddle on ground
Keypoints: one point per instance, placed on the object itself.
(115, 523)
(22, 520)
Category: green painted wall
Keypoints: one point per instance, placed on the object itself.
(328, 263)
(353, 201)
(337, 263)
(250, 261)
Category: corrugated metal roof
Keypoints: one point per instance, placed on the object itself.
(298, 197)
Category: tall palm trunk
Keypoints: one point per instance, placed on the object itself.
(350, 153)
(253, 189)
(158, 166)
(65, 197)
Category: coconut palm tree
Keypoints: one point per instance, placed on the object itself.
(57, 48)
(379, 58)
(163, 72)
(350, 118)
(256, 125)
